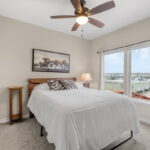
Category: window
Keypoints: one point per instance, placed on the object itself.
(127, 71)
(140, 73)
(114, 72)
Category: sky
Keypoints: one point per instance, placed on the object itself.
(140, 61)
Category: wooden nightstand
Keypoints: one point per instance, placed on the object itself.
(17, 117)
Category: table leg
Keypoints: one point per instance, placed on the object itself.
(10, 106)
(20, 104)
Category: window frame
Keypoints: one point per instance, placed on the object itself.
(127, 66)
(130, 49)
(103, 74)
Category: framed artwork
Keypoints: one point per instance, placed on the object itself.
(48, 61)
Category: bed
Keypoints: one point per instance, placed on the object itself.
(81, 119)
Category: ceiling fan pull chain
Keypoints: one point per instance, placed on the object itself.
(82, 32)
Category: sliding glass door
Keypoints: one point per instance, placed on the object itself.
(127, 71)
(114, 72)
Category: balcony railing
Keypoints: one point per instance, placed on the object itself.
(140, 89)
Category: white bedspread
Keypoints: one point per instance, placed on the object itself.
(83, 119)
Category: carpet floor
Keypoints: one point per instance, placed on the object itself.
(26, 136)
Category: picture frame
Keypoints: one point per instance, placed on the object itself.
(49, 61)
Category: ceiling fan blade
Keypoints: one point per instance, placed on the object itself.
(62, 17)
(96, 23)
(76, 4)
(75, 27)
(102, 8)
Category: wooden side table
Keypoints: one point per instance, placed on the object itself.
(17, 117)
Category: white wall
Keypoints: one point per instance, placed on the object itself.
(131, 34)
(17, 39)
(143, 110)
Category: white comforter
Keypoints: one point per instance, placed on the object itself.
(83, 119)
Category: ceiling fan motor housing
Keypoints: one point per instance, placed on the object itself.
(85, 10)
(82, 2)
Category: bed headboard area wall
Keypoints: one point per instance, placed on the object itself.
(16, 56)
(35, 81)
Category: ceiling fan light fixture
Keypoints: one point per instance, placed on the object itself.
(82, 20)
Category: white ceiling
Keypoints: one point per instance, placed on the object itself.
(38, 11)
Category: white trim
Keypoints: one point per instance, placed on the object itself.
(145, 121)
(141, 101)
(26, 116)
(101, 81)
(121, 50)
(127, 65)
(126, 72)
(5, 120)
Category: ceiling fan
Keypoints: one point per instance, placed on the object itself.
(82, 13)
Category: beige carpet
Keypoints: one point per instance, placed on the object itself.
(26, 136)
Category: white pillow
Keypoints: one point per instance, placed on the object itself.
(79, 85)
(43, 86)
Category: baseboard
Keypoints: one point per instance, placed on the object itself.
(147, 122)
(5, 120)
